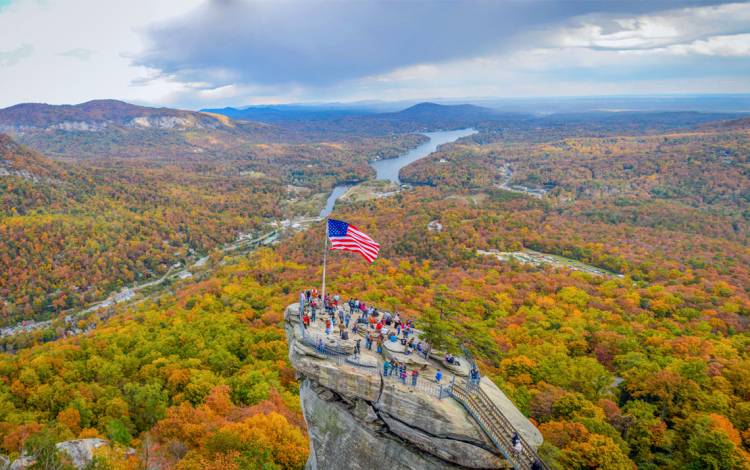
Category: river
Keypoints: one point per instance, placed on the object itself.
(388, 168)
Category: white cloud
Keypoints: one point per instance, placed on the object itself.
(655, 31)
(42, 37)
(736, 45)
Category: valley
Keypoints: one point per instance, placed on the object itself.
(596, 268)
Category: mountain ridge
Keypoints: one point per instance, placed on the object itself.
(98, 114)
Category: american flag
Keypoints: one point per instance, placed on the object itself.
(347, 237)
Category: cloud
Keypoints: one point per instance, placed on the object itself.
(194, 53)
(737, 45)
(78, 53)
(14, 56)
(49, 28)
(319, 44)
(655, 31)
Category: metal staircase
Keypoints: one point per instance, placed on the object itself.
(496, 426)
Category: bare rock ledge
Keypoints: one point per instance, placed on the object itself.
(358, 419)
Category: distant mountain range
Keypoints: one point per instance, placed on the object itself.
(421, 112)
(99, 114)
(126, 130)
(281, 113)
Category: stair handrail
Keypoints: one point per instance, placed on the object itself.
(496, 426)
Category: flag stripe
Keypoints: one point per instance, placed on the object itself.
(354, 242)
(355, 245)
(365, 255)
(357, 250)
(346, 237)
(359, 234)
(364, 239)
(345, 245)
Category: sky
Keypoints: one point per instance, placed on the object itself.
(197, 53)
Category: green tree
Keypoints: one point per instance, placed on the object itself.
(706, 447)
(437, 331)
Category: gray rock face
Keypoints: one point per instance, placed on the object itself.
(340, 439)
(80, 451)
(22, 462)
(358, 419)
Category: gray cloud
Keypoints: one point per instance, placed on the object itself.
(12, 57)
(323, 43)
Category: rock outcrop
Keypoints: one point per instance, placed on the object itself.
(359, 419)
(78, 453)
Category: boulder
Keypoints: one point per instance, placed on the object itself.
(363, 360)
(394, 346)
(413, 360)
(23, 462)
(347, 380)
(80, 451)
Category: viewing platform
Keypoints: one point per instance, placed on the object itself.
(357, 415)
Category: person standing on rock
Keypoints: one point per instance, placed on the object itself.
(356, 347)
(414, 376)
(438, 376)
(386, 367)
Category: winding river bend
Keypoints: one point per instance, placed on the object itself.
(388, 168)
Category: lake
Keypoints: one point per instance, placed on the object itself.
(388, 168)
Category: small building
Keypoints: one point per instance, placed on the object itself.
(435, 226)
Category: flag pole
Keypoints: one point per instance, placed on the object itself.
(325, 253)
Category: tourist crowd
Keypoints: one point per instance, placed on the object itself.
(376, 327)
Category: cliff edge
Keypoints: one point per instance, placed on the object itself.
(359, 418)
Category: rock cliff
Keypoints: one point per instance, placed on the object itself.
(359, 419)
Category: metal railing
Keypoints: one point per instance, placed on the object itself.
(496, 426)
(339, 357)
(425, 385)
